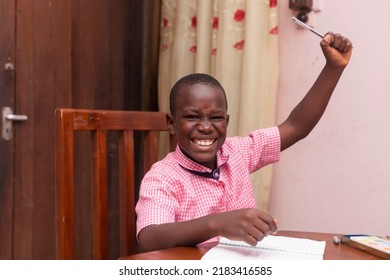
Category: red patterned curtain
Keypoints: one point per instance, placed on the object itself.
(236, 42)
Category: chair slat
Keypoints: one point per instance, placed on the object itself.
(126, 193)
(99, 193)
(150, 149)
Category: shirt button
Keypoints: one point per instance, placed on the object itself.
(216, 174)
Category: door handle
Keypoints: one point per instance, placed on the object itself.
(12, 117)
(8, 118)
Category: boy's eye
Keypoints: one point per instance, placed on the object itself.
(197, 117)
(192, 117)
(218, 118)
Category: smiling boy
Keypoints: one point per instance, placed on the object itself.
(203, 189)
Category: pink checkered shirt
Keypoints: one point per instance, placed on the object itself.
(170, 193)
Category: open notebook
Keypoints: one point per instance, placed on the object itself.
(270, 248)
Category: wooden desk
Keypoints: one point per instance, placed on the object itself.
(332, 251)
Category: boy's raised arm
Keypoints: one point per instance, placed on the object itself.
(337, 50)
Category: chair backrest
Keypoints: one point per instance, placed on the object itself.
(99, 123)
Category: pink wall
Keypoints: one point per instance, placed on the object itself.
(338, 178)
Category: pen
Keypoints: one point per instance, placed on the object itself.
(305, 26)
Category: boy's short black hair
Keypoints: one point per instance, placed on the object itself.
(192, 79)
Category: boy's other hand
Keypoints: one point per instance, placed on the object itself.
(248, 225)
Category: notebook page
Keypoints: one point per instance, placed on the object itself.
(270, 248)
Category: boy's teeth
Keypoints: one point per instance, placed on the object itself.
(203, 142)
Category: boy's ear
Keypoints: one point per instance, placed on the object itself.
(171, 124)
(227, 119)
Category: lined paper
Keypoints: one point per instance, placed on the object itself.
(270, 248)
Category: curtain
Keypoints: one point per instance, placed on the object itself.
(236, 42)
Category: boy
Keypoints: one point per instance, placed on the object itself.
(203, 190)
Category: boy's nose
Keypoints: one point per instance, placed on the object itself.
(205, 124)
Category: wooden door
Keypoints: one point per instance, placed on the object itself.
(43, 80)
(60, 53)
(7, 88)
(35, 57)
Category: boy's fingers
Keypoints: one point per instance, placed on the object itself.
(275, 228)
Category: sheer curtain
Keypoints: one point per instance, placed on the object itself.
(236, 42)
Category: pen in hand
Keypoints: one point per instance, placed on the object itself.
(305, 26)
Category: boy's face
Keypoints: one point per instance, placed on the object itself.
(200, 122)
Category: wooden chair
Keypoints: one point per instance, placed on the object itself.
(99, 123)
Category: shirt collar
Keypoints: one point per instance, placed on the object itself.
(198, 169)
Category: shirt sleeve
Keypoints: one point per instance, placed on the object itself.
(157, 203)
(260, 148)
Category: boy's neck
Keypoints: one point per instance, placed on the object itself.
(190, 158)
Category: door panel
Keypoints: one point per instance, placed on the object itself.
(43, 78)
(7, 86)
